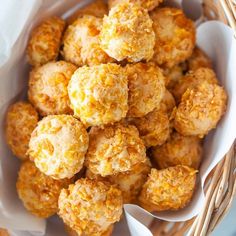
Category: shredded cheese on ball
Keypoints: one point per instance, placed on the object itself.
(127, 33)
(45, 41)
(178, 150)
(168, 189)
(21, 120)
(146, 88)
(175, 36)
(114, 149)
(39, 192)
(99, 94)
(48, 88)
(200, 109)
(81, 44)
(90, 207)
(58, 146)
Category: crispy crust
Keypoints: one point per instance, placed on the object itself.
(81, 44)
(48, 88)
(45, 41)
(175, 36)
(58, 146)
(21, 120)
(146, 88)
(38, 192)
(127, 33)
(178, 150)
(99, 94)
(200, 109)
(168, 189)
(90, 207)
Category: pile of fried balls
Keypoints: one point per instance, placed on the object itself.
(119, 101)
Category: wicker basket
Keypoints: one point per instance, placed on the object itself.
(221, 183)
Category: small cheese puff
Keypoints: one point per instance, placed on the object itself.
(97, 8)
(21, 120)
(90, 207)
(147, 4)
(58, 146)
(198, 59)
(193, 78)
(39, 192)
(178, 150)
(175, 36)
(200, 109)
(44, 43)
(48, 88)
(154, 128)
(127, 33)
(72, 232)
(168, 189)
(114, 149)
(81, 44)
(99, 94)
(4, 232)
(129, 182)
(146, 88)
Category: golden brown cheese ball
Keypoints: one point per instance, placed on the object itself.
(175, 36)
(90, 207)
(129, 182)
(72, 232)
(198, 59)
(178, 150)
(114, 149)
(96, 8)
(81, 44)
(99, 94)
(21, 120)
(4, 232)
(154, 128)
(127, 33)
(146, 88)
(44, 43)
(39, 192)
(147, 4)
(200, 109)
(193, 78)
(58, 146)
(48, 88)
(168, 189)
(168, 101)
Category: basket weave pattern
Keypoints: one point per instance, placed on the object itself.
(221, 183)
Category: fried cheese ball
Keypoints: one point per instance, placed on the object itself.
(4, 232)
(21, 120)
(146, 88)
(198, 59)
(127, 33)
(175, 36)
(168, 101)
(48, 88)
(58, 146)
(154, 128)
(147, 4)
(200, 109)
(97, 8)
(90, 207)
(39, 192)
(114, 149)
(72, 232)
(168, 189)
(44, 43)
(99, 94)
(193, 78)
(178, 150)
(129, 182)
(81, 44)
